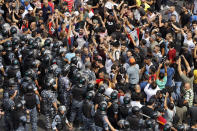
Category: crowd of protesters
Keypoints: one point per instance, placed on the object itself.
(98, 65)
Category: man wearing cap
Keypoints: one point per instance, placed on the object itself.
(133, 73)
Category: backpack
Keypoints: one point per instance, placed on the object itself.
(30, 99)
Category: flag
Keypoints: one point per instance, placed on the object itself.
(134, 35)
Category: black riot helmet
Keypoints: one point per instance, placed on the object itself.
(47, 42)
(65, 70)
(15, 64)
(24, 38)
(13, 30)
(77, 77)
(50, 82)
(126, 124)
(126, 100)
(30, 88)
(38, 39)
(52, 68)
(148, 123)
(19, 106)
(15, 41)
(56, 44)
(101, 89)
(12, 82)
(89, 95)
(114, 95)
(74, 60)
(167, 127)
(30, 41)
(180, 127)
(103, 106)
(29, 73)
(135, 110)
(154, 115)
(7, 44)
(35, 45)
(90, 86)
(4, 33)
(82, 80)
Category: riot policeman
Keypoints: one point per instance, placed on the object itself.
(135, 120)
(126, 108)
(78, 95)
(124, 125)
(64, 87)
(99, 97)
(31, 102)
(101, 120)
(112, 111)
(60, 119)
(88, 112)
(13, 71)
(9, 106)
(18, 117)
(49, 102)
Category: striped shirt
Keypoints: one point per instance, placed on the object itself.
(189, 96)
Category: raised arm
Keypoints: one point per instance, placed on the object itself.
(195, 49)
(165, 101)
(158, 71)
(187, 64)
(179, 67)
(165, 67)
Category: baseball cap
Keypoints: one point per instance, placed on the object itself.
(132, 60)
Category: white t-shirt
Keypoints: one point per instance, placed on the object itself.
(190, 43)
(150, 92)
(109, 5)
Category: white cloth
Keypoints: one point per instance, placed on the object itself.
(136, 103)
(108, 91)
(150, 92)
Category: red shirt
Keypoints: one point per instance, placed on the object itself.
(172, 55)
(98, 81)
(154, 76)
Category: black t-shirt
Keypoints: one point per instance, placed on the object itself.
(30, 18)
(185, 18)
(110, 25)
(140, 95)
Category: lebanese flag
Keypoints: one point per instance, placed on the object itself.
(70, 4)
(51, 29)
(134, 35)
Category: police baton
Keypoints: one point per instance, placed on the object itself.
(150, 118)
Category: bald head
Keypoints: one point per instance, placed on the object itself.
(187, 86)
